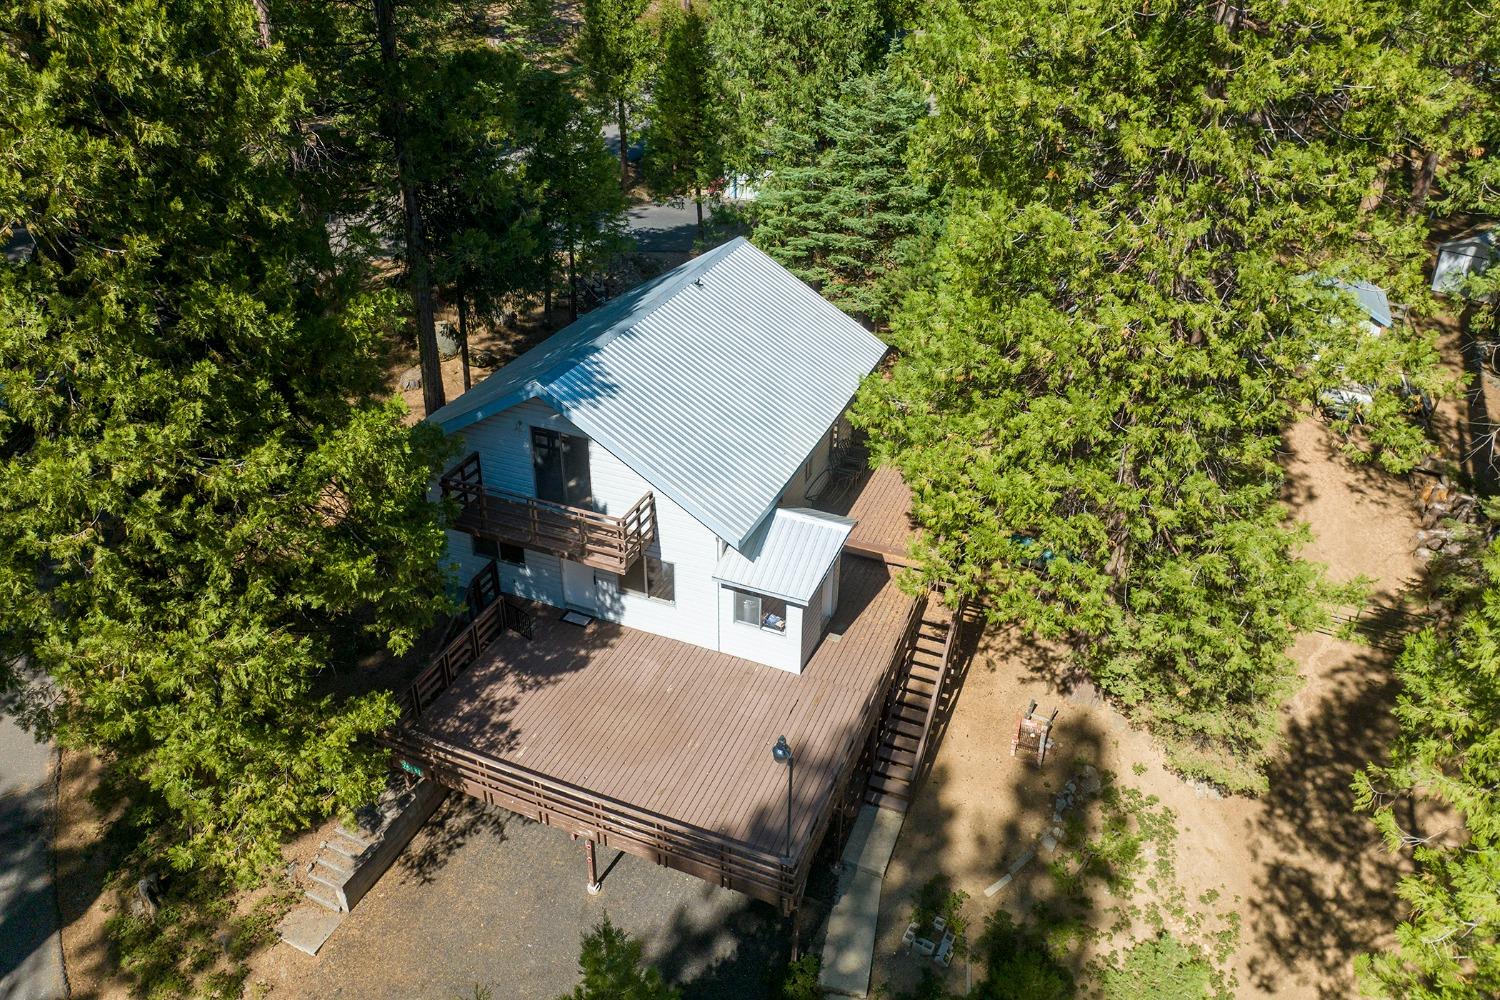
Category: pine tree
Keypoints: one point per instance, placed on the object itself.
(841, 209)
(614, 46)
(487, 231)
(1445, 767)
(685, 142)
(205, 497)
(610, 968)
(1092, 390)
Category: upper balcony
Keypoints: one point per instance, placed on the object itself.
(609, 543)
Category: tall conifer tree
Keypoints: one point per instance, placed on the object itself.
(1091, 394)
(204, 496)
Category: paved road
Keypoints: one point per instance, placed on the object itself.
(669, 228)
(30, 950)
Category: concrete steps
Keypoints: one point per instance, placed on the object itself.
(351, 861)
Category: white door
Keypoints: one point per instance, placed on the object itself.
(578, 587)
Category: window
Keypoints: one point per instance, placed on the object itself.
(761, 611)
(561, 465)
(650, 577)
(488, 548)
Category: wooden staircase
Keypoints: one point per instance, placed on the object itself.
(901, 742)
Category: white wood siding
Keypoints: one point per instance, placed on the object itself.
(504, 445)
(782, 650)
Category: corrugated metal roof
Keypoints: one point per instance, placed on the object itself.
(713, 382)
(1371, 299)
(788, 555)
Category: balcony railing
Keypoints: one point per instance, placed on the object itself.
(586, 536)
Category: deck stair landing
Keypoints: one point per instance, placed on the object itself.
(902, 740)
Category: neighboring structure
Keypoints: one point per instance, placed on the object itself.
(1463, 257)
(1371, 299)
(639, 466)
(664, 500)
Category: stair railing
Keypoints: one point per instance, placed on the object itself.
(937, 691)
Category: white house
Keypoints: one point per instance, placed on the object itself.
(649, 464)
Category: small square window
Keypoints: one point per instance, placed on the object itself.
(763, 612)
(486, 547)
(512, 554)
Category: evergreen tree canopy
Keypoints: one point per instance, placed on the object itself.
(202, 491)
(781, 59)
(841, 209)
(610, 968)
(614, 47)
(1126, 310)
(1445, 765)
(684, 142)
(570, 174)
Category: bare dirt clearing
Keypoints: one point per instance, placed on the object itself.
(1311, 880)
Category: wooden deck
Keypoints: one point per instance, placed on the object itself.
(663, 748)
(880, 502)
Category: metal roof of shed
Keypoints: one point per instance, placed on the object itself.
(713, 382)
(788, 556)
(1371, 298)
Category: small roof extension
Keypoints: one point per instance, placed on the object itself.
(788, 556)
(713, 382)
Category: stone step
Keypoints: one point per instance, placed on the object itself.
(324, 901)
(333, 884)
(346, 849)
(336, 863)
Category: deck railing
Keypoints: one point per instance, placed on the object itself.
(714, 857)
(587, 536)
(942, 678)
(489, 614)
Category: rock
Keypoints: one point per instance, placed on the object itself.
(447, 339)
(146, 900)
(1088, 779)
(484, 359)
(1425, 554)
(1049, 843)
(411, 380)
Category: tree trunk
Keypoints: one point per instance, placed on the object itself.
(547, 287)
(263, 22)
(572, 285)
(1371, 201)
(463, 338)
(1422, 184)
(394, 115)
(698, 203)
(624, 144)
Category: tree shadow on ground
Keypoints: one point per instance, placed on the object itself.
(1328, 889)
(457, 821)
(738, 956)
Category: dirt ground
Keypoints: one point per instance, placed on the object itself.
(1311, 880)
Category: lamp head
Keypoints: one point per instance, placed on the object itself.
(782, 751)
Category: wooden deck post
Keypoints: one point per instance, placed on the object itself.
(594, 884)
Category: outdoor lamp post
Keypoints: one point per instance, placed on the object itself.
(782, 751)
